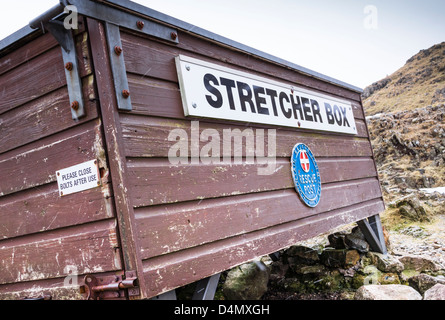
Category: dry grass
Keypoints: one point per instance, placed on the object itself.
(418, 83)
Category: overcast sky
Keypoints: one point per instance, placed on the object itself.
(355, 41)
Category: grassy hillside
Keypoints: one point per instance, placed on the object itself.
(419, 83)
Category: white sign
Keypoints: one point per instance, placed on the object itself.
(78, 178)
(212, 91)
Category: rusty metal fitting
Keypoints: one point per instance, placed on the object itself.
(125, 93)
(69, 66)
(75, 105)
(173, 35)
(140, 25)
(118, 50)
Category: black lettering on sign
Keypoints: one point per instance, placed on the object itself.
(316, 111)
(272, 94)
(345, 119)
(336, 115)
(306, 109)
(217, 101)
(297, 106)
(229, 84)
(288, 113)
(260, 100)
(245, 96)
(329, 115)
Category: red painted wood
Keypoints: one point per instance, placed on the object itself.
(175, 227)
(91, 248)
(159, 182)
(170, 271)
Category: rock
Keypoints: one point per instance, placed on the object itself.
(339, 258)
(410, 207)
(371, 275)
(415, 231)
(356, 240)
(386, 263)
(246, 282)
(423, 282)
(418, 263)
(296, 256)
(408, 212)
(389, 278)
(278, 270)
(337, 240)
(437, 292)
(387, 292)
(292, 285)
(317, 270)
(366, 276)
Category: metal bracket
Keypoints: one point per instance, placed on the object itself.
(74, 83)
(373, 232)
(118, 67)
(275, 256)
(170, 295)
(110, 287)
(114, 19)
(102, 11)
(206, 288)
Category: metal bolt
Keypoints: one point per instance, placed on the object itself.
(125, 93)
(140, 25)
(69, 66)
(173, 35)
(118, 50)
(187, 68)
(75, 105)
(194, 105)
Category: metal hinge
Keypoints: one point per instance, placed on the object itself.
(119, 285)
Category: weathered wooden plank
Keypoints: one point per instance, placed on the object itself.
(158, 182)
(166, 272)
(155, 59)
(149, 137)
(171, 228)
(32, 80)
(116, 156)
(89, 248)
(42, 209)
(36, 163)
(155, 97)
(65, 288)
(40, 75)
(44, 116)
(27, 52)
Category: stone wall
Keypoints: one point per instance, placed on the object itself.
(344, 266)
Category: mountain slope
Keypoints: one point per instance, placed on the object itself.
(420, 82)
(406, 122)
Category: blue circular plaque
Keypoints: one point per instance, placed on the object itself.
(306, 175)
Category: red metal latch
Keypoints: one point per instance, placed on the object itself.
(116, 286)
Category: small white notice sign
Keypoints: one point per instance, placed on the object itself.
(78, 178)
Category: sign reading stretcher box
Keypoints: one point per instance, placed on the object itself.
(78, 178)
(212, 91)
